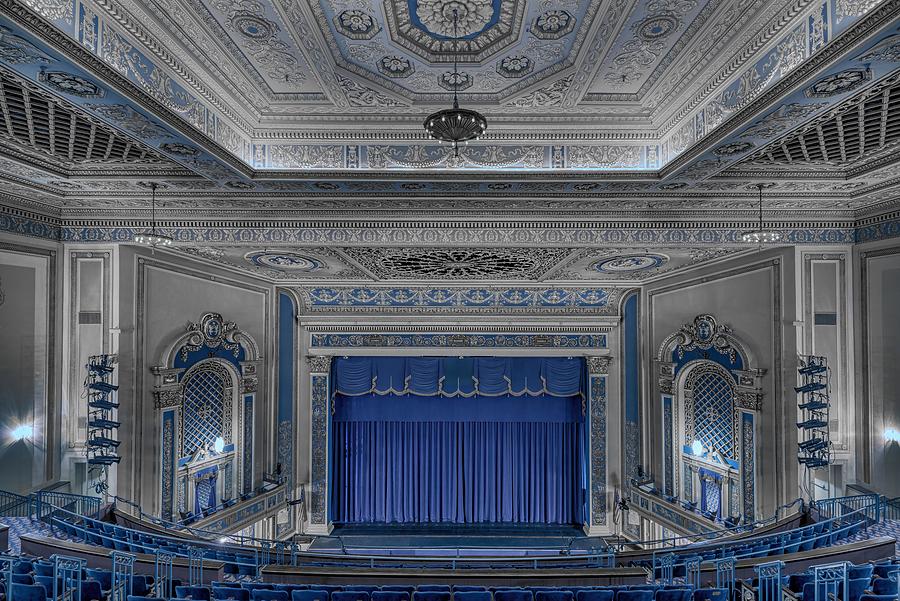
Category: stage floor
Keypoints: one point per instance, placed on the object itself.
(457, 539)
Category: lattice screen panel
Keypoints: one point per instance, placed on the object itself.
(203, 411)
(714, 413)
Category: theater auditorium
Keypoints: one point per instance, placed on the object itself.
(449, 300)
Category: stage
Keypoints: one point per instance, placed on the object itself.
(458, 540)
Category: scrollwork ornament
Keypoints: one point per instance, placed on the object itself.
(170, 397)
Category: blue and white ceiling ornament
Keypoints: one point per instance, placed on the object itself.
(287, 261)
(630, 263)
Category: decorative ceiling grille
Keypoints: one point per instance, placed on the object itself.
(864, 127)
(39, 122)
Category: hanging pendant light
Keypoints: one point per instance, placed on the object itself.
(455, 125)
(759, 235)
(153, 237)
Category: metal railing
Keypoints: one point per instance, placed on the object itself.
(892, 509)
(15, 506)
(838, 507)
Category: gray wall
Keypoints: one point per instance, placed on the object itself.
(878, 385)
(160, 295)
(29, 360)
(749, 295)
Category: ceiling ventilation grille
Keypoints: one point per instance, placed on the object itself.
(861, 129)
(35, 121)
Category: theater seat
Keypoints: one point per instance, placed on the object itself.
(673, 595)
(512, 595)
(465, 588)
(711, 594)
(29, 592)
(595, 595)
(554, 596)
(91, 591)
(310, 595)
(139, 598)
(104, 577)
(634, 595)
(433, 588)
(389, 595)
(350, 596)
(861, 571)
(262, 594)
(361, 587)
(197, 593)
(421, 595)
(290, 588)
(878, 598)
(472, 596)
(885, 586)
(224, 593)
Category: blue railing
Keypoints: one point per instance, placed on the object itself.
(668, 563)
(15, 506)
(47, 503)
(838, 507)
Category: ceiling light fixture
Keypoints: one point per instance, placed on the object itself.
(152, 237)
(455, 125)
(759, 235)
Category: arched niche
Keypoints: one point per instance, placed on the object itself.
(711, 395)
(204, 390)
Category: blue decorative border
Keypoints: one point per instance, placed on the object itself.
(598, 450)
(319, 298)
(458, 340)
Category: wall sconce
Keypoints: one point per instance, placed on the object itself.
(697, 448)
(219, 444)
(891, 435)
(22, 432)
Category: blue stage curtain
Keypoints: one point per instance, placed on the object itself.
(462, 460)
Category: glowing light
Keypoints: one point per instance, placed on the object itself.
(223, 540)
(697, 448)
(22, 432)
(892, 435)
(219, 444)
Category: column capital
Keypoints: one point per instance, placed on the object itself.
(598, 365)
(318, 364)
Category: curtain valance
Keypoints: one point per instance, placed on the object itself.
(459, 376)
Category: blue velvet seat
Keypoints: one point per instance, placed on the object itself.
(421, 595)
(883, 570)
(673, 594)
(229, 592)
(316, 594)
(556, 595)
(467, 588)
(634, 595)
(360, 587)
(885, 586)
(471, 596)
(91, 591)
(197, 593)
(252, 586)
(43, 568)
(139, 598)
(47, 583)
(513, 595)
(403, 588)
(868, 597)
(22, 579)
(104, 577)
(29, 592)
(856, 589)
(862, 571)
(290, 588)
(433, 588)
(350, 596)
(711, 594)
(389, 596)
(595, 595)
(23, 567)
(262, 594)
(796, 582)
(140, 585)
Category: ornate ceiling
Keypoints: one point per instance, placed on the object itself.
(636, 127)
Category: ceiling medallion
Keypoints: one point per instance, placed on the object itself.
(153, 237)
(442, 18)
(455, 125)
(629, 263)
(760, 235)
(283, 260)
